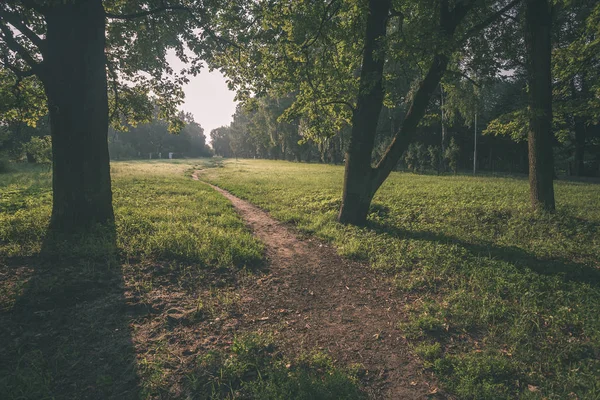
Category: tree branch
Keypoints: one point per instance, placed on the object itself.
(488, 21)
(33, 4)
(463, 75)
(15, 46)
(324, 20)
(146, 13)
(15, 70)
(164, 8)
(16, 22)
(342, 102)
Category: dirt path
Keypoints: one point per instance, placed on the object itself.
(313, 298)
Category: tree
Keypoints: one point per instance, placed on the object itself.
(154, 137)
(434, 158)
(344, 59)
(538, 25)
(221, 140)
(71, 48)
(451, 155)
(576, 77)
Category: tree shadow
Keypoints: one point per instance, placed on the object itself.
(66, 334)
(569, 270)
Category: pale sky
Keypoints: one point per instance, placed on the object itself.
(207, 98)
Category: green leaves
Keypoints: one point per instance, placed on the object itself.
(21, 99)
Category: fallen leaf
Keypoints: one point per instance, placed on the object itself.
(533, 388)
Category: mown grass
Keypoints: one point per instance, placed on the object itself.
(504, 301)
(158, 212)
(102, 315)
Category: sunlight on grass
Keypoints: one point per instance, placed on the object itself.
(508, 296)
(120, 314)
(502, 302)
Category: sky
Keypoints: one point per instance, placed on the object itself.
(207, 98)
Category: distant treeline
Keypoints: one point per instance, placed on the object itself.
(153, 140)
(262, 130)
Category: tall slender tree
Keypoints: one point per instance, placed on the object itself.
(538, 29)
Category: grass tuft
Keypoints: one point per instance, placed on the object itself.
(255, 369)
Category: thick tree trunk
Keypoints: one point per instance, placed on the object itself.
(541, 160)
(75, 84)
(358, 189)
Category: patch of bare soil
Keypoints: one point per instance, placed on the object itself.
(313, 298)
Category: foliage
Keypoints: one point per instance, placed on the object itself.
(259, 130)
(314, 50)
(510, 295)
(21, 99)
(415, 157)
(39, 149)
(512, 124)
(4, 164)
(434, 157)
(451, 155)
(139, 36)
(153, 138)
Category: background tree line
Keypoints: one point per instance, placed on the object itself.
(259, 131)
(154, 140)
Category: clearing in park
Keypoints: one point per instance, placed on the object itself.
(232, 279)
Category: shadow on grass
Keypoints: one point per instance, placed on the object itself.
(66, 335)
(567, 269)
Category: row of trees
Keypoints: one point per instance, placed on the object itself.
(335, 67)
(499, 134)
(153, 140)
(347, 61)
(32, 142)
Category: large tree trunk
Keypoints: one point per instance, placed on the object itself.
(541, 161)
(358, 189)
(75, 84)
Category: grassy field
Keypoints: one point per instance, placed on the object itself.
(504, 302)
(137, 311)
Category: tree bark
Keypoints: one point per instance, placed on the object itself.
(358, 188)
(450, 18)
(414, 115)
(361, 181)
(76, 87)
(538, 23)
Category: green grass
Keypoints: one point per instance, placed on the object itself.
(504, 301)
(102, 315)
(257, 370)
(159, 212)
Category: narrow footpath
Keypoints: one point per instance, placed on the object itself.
(312, 298)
